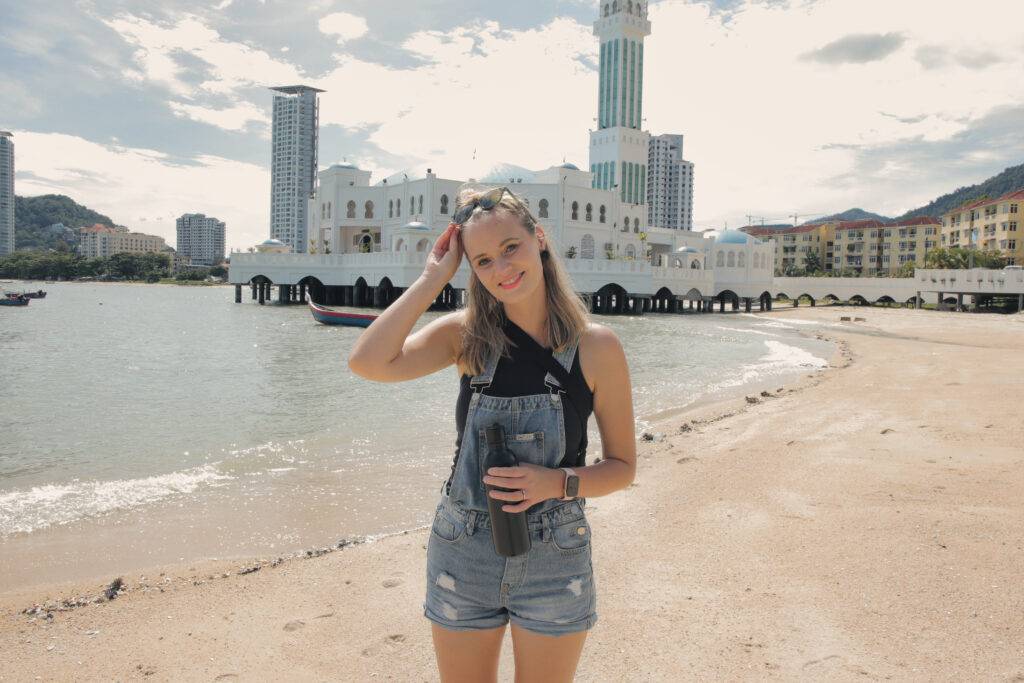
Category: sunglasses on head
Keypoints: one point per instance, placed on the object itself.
(487, 201)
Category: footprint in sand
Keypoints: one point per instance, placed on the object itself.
(294, 625)
(227, 677)
(391, 583)
(393, 639)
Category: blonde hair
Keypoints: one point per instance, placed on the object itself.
(483, 335)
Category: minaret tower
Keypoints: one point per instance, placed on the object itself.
(619, 146)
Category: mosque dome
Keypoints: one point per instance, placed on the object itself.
(687, 250)
(732, 237)
(572, 167)
(415, 225)
(272, 243)
(345, 166)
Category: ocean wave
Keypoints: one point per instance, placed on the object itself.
(23, 511)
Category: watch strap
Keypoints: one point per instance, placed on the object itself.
(569, 472)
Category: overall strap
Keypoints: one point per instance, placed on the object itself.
(484, 379)
(565, 358)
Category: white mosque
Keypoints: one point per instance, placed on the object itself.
(367, 242)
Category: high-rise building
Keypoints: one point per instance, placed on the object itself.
(619, 146)
(201, 239)
(669, 184)
(6, 193)
(293, 172)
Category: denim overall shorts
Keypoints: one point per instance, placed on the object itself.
(548, 590)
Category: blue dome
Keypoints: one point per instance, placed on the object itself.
(687, 250)
(415, 225)
(348, 166)
(273, 243)
(573, 167)
(732, 237)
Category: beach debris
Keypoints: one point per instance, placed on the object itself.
(765, 394)
(114, 589)
(294, 625)
(652, 436)
(249, 570)
(844, 319)
(317, 552)
(685, 427)
(887, 431)
(686, 458)
(92, 633)
(860, 320)
(753, 399)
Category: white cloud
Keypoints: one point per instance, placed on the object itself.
(344, 25)
(131, 184)
(237, 117)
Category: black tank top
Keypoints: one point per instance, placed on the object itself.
(517, 376)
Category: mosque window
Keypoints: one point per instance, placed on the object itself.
(720, 260)
(615, 6)
(398, 208)
(636, 225)
(575, 211)
(601, 214)
(587, 247)
(731, 260)
(421, 205)
(369, 210)
(677, 263)
(350, 209)
(444, 204)
(391, 208)
(630, 251)
(543, 208)
(606, 10)
(625, 224)
(741, 260)
(590, 213)
(629, 7)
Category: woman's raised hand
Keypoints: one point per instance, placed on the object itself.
(445, 257)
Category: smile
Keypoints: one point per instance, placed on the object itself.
(513, 283)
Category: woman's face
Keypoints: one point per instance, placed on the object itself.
(505, 256)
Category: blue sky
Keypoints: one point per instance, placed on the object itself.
(146, 110)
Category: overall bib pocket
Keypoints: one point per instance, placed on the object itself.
(527, 447)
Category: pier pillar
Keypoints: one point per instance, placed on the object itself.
(282, 294)
(769, 302)
(1020, 303)
(796, 302)
(736, 304)
(253, 291)
(938, 302)
(721, 305)
(262, 294)
(302, 294)
(917, 301)
(238, 294)
(812, 303)
(673, 306)
(346, 295)
(959, 303)
(746, 305)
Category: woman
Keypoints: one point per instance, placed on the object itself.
(522, 315)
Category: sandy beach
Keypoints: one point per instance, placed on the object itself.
(865, 523)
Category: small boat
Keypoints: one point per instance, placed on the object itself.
(328, 316)
(13, 299)
(34, 295)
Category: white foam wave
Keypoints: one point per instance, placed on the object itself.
(23, 511)
(780, 359)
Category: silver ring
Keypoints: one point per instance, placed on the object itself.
(523, 491)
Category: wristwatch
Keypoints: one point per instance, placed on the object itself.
(571, 489)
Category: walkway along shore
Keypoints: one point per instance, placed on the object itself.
(862, 524)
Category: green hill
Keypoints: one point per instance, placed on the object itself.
(851, 215)
(32, 215)
(1009, 180)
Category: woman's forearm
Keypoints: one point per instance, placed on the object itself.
(608, 476)
(382, 341)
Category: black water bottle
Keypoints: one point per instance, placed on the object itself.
(508, 529)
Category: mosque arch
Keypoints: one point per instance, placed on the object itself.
(368, 209)
(575, 211)
(636, 225)
(720, 259)
(695, 264)
(601, 214)
(422, 244)
(400, 244)
(859, 300)
(676, 263)
(630, 251)
(693, 295)
(605, 10)
(350, 209)
(543, 208)
(625, 227)
(365, 242)
(359, 292)
(587, 247)
(589, 215)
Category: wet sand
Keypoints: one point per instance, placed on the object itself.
(864, 523)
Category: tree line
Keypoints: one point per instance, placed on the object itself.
(45, 265)
(941, 258)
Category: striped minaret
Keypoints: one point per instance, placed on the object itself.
(619, 146)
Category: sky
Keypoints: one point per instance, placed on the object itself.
(146, 110)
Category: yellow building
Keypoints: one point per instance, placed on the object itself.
(102, 241)
(987, 224)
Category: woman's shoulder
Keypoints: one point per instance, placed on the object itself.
(599, 347)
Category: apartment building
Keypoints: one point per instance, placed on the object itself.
(990, 225)
(102, 241)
